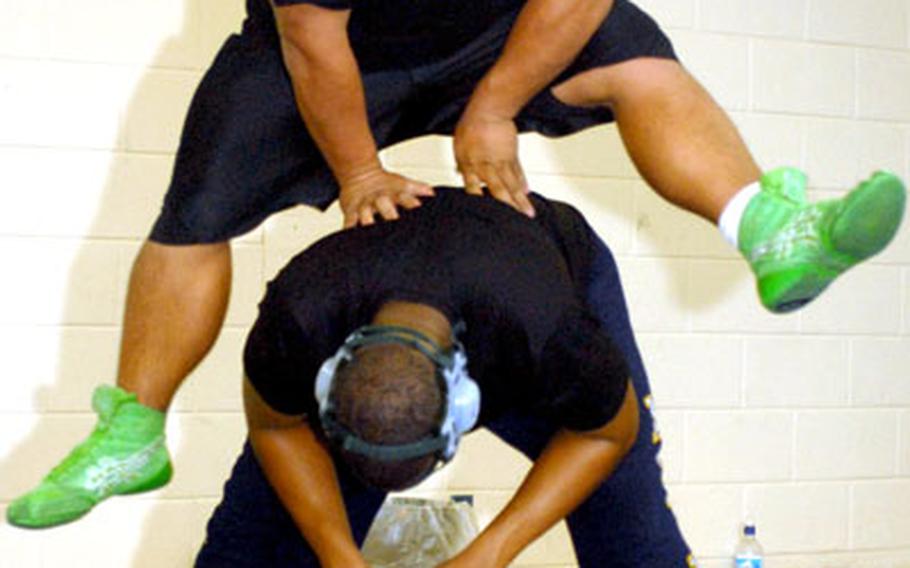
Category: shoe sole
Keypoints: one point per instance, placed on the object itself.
(159, 479)
(793, 289)
(870, 217)
(867, 222)
(46, 523)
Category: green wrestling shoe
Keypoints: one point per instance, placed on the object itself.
(796, 248)
(125, 454)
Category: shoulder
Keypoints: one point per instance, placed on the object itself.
(323, 266)
(584, 370)
(561, 219)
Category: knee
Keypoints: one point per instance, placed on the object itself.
(164, 259)
(637, 81)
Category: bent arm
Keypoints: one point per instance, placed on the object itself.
(330, 97)
(303, 475)
(327, 86)
(570, 468)
(548, 35)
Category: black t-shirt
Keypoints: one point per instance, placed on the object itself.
(530, 342)
(413, 32)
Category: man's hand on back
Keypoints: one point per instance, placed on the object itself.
(486, 151)
(375, 190)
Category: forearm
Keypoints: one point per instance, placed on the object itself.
(569, 469)
(302, 473)
(327, 87)
(548, 35)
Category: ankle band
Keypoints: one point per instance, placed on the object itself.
(732, 215)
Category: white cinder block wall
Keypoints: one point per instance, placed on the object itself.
(801, 422)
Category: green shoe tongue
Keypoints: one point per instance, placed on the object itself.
(788, 183)
(107, 399)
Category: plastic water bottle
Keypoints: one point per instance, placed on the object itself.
(749, 553)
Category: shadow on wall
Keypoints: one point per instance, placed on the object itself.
(100, 160)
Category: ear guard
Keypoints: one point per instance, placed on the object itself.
(462, 395)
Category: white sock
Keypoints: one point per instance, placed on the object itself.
(732, 214)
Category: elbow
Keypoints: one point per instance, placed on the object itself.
(627, 421)
(622, 430)
(308, 32)
(298, 48)
(297, 41)
(630, 431)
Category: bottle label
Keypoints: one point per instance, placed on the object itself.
(748, 561)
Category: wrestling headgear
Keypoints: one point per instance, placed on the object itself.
(462, 396)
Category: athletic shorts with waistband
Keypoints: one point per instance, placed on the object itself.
(245, 153)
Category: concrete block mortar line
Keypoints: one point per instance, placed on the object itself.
(743, 360)
(804, 409)
(744, 511)
(746, 35)
(762, 333)
(184, 412)
(88, 412)
(685, 449)
(897, 443)
(907, 154)
(805, 114)
(905, 302)
(851, 513)
(903, 442)
(688, 290)
(851, 379)
(794, 444)
(60, 326)
(867, 120)
(583, 177)
(118, 147)
(855, 83)
(852, 45)
(807, 11)
(194, 69)
(750, 61)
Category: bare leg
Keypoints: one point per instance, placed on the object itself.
(175, 306)
(682, 142)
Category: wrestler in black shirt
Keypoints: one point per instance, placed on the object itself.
(530, 343)
(548, 340)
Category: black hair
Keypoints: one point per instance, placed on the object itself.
(388, 394)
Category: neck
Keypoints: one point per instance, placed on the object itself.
(419, 317)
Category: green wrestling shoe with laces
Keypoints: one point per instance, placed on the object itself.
(796, 249)
(125, 453)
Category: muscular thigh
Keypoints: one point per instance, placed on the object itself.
(579, 97)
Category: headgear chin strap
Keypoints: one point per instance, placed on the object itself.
(462, 395)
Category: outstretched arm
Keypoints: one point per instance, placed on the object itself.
(548, 35)
(570, 468)
(330, 97)
(302, 473)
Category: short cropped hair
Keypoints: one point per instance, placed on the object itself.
(388, 394)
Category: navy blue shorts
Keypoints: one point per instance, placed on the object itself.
(245, 152)
(625, 523)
